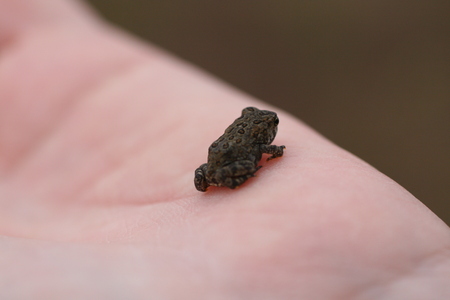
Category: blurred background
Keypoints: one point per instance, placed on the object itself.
(372, 76)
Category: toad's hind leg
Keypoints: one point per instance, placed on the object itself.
(236, 173)
(200, 180)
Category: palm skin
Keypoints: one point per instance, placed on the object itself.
(99, 139)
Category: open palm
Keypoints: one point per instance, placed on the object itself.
(100, 135)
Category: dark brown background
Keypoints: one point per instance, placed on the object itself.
(372, 76)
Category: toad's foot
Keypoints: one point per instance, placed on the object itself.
(200, 180)
(276, 151)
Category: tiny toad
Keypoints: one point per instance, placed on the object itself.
(234, 157)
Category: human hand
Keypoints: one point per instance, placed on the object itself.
(99, 139)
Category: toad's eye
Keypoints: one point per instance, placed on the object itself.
(276, 121)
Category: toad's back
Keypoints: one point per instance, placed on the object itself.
(233, 158)
(241, 139)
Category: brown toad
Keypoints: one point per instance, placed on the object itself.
(234, 157)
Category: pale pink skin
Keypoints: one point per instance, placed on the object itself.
(100, 135)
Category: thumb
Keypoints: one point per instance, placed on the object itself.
(17, 16)
(53, 53)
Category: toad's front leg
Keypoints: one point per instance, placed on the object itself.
(276, 151)
(236, 173)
